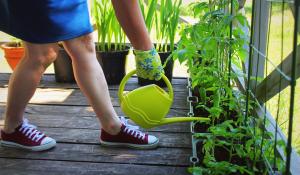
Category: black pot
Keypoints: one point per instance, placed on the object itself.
(113, 65)
(168, 71)
(63, 67)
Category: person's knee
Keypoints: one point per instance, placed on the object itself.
(45, 58)
(42, 56)
(82, 44)
(87, 42)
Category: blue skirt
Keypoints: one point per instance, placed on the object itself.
(45, 21)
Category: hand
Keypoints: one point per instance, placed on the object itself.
(148, 64)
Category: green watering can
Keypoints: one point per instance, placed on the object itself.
(148, 106)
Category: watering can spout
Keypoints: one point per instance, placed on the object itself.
(171, 120)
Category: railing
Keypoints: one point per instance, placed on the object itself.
(283, 76)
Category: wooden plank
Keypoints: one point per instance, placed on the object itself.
(75, 97)
(57, 110)
(51, 78)
(99, 154)
(76, 110)
(261, 18)
(47, 116)
(176, 87)
(175, 140)
(269, 87)
(86, 122)
(48, 81)
(61, 118)
(45, 167)
(88, 136)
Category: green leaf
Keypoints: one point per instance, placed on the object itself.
(181, 55)
(242, 54)
(202, 92)
(241, 19)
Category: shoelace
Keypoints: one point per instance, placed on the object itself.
(135, 133)
(125, 122)
(30, 131)
(27, 123)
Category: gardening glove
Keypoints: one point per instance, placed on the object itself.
(148, 64)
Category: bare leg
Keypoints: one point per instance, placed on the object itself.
(25, 80)
(132, 22)
(90, 78)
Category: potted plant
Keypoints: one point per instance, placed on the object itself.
(111, 47)
(166, 22)
(13, 52)
(63, 67)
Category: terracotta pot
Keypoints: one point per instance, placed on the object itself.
(12, 54)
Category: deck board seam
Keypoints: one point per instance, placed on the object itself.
(153, 131)
(95, 143)
(47, 104)
(84, 161)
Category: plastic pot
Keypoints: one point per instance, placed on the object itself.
(113, 64)
(63, 67)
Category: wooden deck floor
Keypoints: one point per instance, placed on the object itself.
(62, 112)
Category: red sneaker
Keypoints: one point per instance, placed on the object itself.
(129, 137)
(26, 136)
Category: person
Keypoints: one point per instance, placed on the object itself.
(41, 24)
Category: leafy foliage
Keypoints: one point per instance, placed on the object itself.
(165, 20)
(109, 29)
(209, 48)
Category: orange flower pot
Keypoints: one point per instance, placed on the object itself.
(12, 54)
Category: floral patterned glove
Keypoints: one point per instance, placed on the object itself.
(148, 64)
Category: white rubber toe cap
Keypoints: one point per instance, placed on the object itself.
(48, 140)
(152, 139)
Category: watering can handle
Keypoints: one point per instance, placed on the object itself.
(126, 78)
